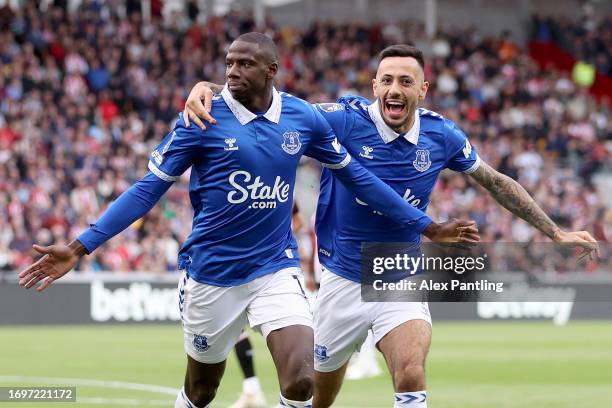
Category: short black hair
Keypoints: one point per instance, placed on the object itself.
(402, 50)
(264, 42)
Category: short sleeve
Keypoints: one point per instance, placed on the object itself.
(461, 155)
(176, 152)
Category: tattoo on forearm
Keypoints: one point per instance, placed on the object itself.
(514, 198)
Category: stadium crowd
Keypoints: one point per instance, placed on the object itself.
(589, 39)
(85, 98)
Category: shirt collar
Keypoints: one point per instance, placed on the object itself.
(386, 133)
(244, 115)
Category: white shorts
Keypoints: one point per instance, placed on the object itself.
(342, 320)
(213, 317)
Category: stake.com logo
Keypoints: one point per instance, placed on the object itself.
(263, 196)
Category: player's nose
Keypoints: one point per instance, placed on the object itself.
(394, 89)
(233, 71)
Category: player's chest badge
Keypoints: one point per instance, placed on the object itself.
(367, 152)
(291, 142)
(422, 162)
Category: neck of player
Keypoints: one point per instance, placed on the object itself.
(259, 101)
(405, 127)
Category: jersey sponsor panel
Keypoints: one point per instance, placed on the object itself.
(262, 196)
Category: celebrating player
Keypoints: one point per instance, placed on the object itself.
(407, 148)
(240, 260)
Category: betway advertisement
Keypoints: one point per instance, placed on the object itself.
(103, 302)
(137, 302)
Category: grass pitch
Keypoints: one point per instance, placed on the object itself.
(471, 365)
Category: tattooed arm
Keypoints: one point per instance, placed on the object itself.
(511, 195)
(514, 198)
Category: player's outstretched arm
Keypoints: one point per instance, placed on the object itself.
(383, 198)
(511, 195)
(173, 156)
(58, 260)
(199, 104)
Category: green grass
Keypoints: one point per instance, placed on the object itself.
(471, 365)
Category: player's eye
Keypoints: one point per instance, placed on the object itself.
(407, 82)
(386, 81)
(246, 64)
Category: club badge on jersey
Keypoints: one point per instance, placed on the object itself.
(291, 142)
(422, 162)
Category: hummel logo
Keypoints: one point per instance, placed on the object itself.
(230, 144)
(467, 150)
(336, 145)
(367, 152)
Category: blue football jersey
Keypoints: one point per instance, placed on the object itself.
(242, 180)
(409, 163)
(241, 185)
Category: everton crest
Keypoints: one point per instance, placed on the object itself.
(291, 142)
(422, 162)
(320, 353)
(200, 343)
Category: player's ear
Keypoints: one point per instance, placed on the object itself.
(272, 70)
(374, 87)
(423, 90)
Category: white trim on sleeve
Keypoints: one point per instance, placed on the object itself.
(340, 165)
(474, 167)
(155, 170)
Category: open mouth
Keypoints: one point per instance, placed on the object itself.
(395, 109)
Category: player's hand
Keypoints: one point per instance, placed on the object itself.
(454, 230)
(57, 261)
(198, 105)
(581, 239)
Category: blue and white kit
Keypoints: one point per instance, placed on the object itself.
(241, 189)
(410, 164)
